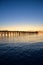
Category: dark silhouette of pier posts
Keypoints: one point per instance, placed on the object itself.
(15, 33)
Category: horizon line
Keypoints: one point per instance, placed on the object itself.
(21, 30)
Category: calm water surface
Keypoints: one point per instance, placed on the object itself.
(23, 49)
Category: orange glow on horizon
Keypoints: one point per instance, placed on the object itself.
(22, 28)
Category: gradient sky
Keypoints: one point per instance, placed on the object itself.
(21, 14)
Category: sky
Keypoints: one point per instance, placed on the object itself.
(21, 15)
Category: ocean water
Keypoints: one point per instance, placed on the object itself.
(23, 49)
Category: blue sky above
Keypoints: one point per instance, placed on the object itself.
(21, 12)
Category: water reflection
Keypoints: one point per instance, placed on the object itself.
(25, 38)
(15, 49)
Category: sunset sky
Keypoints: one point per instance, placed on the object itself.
(22, 15)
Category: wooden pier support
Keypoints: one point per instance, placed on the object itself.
(15, 33)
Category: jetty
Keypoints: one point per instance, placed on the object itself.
(7, 33)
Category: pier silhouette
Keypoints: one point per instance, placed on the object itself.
(10, 33)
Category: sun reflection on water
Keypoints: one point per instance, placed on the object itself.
(21, 38)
